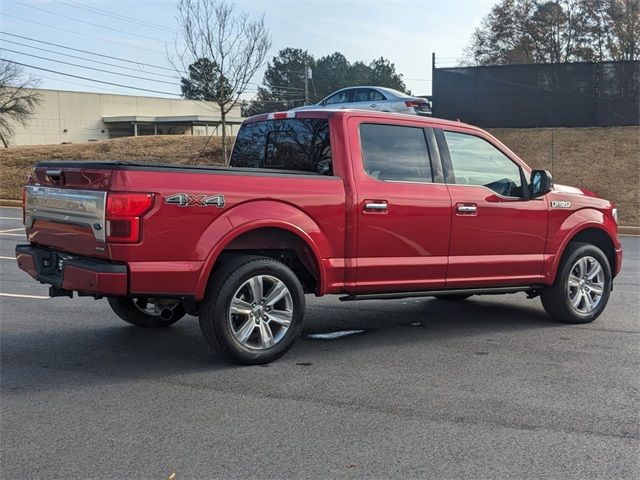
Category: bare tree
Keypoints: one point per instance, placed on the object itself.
(624, 28)
(236, 46)
(18, 100)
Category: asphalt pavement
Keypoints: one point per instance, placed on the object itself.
(420, 388)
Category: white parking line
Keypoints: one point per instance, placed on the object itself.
(11, 230)
(10, 218)
(17, 295)
(7, 258)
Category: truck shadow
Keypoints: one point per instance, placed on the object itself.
(60, 356)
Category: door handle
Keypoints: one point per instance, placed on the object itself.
(373, 105)
(467, 208)
(56, 177)
(375, 206)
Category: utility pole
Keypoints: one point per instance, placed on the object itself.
(306, 83)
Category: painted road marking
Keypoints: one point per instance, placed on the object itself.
(17, 295)
(11, 230)
(10, 218)
(7, 258)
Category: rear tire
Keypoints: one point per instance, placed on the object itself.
(582, 286)
(253, 310)
(146, 312)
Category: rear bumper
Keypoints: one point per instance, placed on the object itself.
(73, 273)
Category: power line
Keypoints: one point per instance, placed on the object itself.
(91, 79)
(88, 52)
(90, 68)
(117, 16)
(70, 82)
(86, 59)
(89, 23)
(84, 35)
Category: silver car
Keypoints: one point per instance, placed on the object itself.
(373, 98)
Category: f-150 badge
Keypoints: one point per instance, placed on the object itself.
(560, 204)
(195, 200)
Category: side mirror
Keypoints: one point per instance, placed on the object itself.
(541, 183)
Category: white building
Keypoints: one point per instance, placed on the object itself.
(65, 116)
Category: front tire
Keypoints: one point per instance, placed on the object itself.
(253, 310)
(147, 312)
(582, 286)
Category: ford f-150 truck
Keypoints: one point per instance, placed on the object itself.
(366, 205)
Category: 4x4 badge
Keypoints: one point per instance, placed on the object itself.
(195, 200)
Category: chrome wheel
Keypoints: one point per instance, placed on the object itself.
(260, 312)
(585, 285)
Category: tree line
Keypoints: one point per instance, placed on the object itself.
(223, 49)
(283, 85)
(534, 31)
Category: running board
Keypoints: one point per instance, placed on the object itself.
(433, 293)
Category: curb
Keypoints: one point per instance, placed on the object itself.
(628, 230)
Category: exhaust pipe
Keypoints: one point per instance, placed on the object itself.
(166, 314)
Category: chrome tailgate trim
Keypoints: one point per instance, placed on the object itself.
(77, 207)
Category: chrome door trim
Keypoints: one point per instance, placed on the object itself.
(467, 208)
(376, 205)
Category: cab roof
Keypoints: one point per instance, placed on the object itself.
(345, 112)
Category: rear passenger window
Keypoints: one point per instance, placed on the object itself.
(367, 95)
(290, 144)
(395, 153)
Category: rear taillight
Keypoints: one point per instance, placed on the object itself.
(414, 103)
(124, 211)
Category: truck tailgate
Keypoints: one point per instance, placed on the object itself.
(65, 209)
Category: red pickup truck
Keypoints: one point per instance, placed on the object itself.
(363, 204)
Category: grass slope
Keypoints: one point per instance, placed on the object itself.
(605, 160)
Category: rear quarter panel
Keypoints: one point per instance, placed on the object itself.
(180, 244)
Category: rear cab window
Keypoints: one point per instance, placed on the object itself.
(395, 153)
(293, 144)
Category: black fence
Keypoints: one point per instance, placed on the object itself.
(540, 95)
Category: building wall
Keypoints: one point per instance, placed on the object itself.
(76, 117)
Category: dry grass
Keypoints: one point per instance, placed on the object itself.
(605, 160)
(17, 161)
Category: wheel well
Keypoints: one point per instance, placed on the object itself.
(600, 239)
(280, 245)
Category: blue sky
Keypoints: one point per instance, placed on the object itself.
(405, 32)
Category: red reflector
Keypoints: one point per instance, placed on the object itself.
(128, 204)
(120, 228)
(414, 103)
